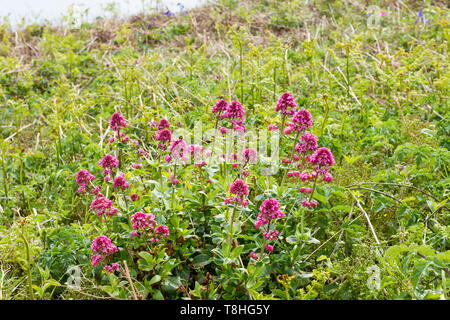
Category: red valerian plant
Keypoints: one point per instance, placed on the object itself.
(306, 163)
(268, 211)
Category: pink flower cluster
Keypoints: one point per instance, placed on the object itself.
(305, 190)
(174, 181)
(117, 122)
(103, 206)
(250, 155)
(235, 110)
(120, 182)
(145, 224)
(163, 124)
(220, 107)
(164, 135)
(269, 210)
(301, 120)
(134, 197)
(136, 166)
(103, 248)
(308, 142)
(163, 230)
(307, 203)
(254, 256)
(307, 151)
(108, 163)
(179, 150)
(322, 158)
(111, 268)
(271, 235)
(240, 189)
(84, 178)
(143, 221)
(286, 104)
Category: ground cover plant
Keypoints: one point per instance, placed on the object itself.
(240, 150)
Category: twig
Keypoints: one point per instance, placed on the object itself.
(127, 274)
(395, 184)
(342, 233)
(367, 218)
(377, 191)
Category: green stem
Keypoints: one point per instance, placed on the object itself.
(231, 227)
(5, 178)
(215, 136)
(313, 189)
(274, 81)
(264, 242)
(173, 187)
(292, 155)
(241, 72)
(325, 119)
(27, 248)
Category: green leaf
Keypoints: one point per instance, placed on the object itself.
(320, 197)
(419, 272)
(292, 240)
(155, 279)
(322, 257)
(202, 260)
(345, 208)
(158, 295)
(237, 251)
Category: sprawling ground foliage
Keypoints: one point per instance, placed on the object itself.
(374, 225)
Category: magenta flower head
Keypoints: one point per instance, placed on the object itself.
(83, 179)
(301, 120)
(164, 136)
(134, 197)
(163, 124)
(102, 205)
(254, 256)
(143, 221)
(220, 107)
(235, 110)
(120, 182)
(136, 166)
(196, 150)
(286, 104)
(117, 122)
(178, 149)
(322, 157)
(239, 188)
(238, 125)
(270, 208)
(163, 230)
(271, 235)
(103, 247)
(250, 155)
(108, 163)
(308, 143)
(327, 177)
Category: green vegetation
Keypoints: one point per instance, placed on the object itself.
(375, 80)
